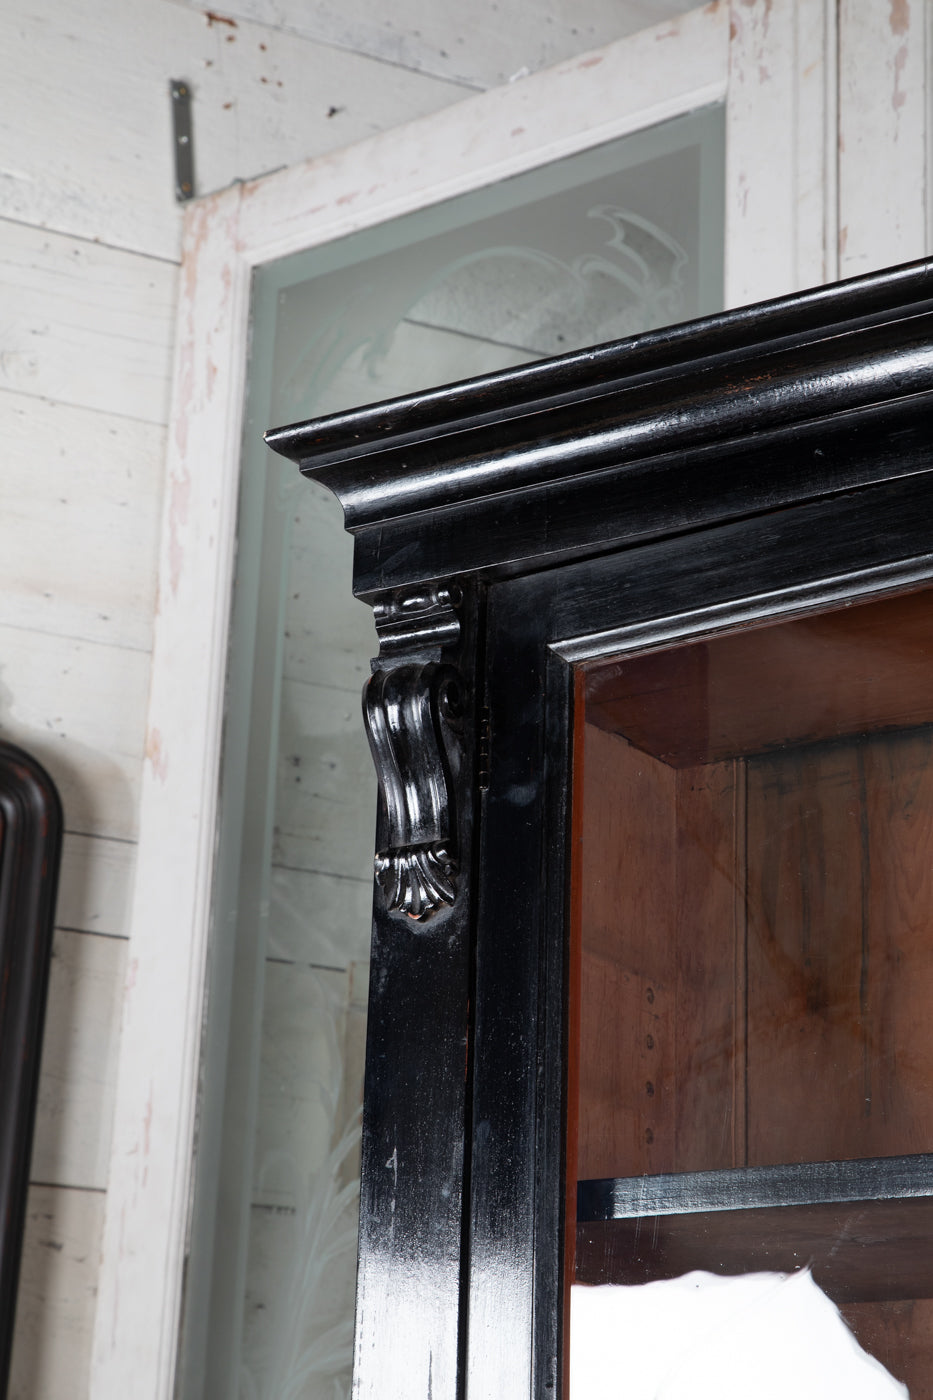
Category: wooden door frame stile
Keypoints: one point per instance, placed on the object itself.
(781, 235)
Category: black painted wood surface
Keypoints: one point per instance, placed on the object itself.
(667, 431)
(752, 467)
(748, 1188)
(30, 853)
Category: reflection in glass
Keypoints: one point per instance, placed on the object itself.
(702, 1336)
(603, 244)
(756, 945)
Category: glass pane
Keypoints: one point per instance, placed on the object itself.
(755, 948)
(607, 243)
(601, 245)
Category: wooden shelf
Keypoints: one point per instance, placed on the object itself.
(864, 1227)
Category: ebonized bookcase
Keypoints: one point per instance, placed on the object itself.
(652, 717)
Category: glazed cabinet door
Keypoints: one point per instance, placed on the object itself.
(705, 929)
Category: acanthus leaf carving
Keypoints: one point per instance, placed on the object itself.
(417, 880)
(412, 715)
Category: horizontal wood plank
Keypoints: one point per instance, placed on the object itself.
(319, 919)
(301, 1080)
(86, 324)
(57, 1294)
(326, 802)
(262, 97)
(96, 884)
(329, 634)
(82, 506)
(80, 708)
(298, 1311)
(301, 1271)
(79, 1057)
(485, 46)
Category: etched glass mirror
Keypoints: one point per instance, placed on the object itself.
(621, 238)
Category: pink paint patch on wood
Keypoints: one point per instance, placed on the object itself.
(899, 96)
(155, 755)
(179, 502)
(900, 17)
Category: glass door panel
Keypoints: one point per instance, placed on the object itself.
(754, 947)
(618, 239)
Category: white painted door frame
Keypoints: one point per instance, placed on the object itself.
(773, 63)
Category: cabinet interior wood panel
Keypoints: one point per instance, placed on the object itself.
(824, 677)
(900, 1334)
(756, 910)
(755, 840)
(840, 958)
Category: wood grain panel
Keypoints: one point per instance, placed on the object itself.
(840, 957)
(710, 948)
(663, 964)
(807, 1052)
(900, 1334)
(627, 1052)
(899, 909)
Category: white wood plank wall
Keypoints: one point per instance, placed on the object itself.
(89, 245)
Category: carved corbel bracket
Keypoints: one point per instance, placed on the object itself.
(412, 710)
(418, 622)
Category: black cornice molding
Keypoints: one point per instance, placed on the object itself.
(628, 432)
(783, 321)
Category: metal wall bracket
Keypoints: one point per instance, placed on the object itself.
(184, 145)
